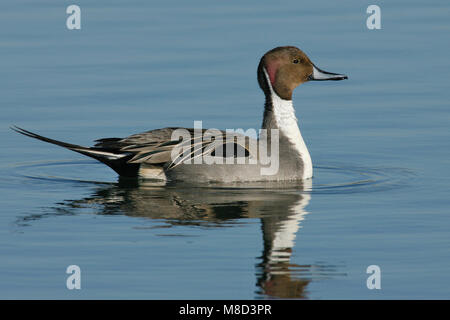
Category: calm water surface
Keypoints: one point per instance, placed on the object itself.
(379, 143)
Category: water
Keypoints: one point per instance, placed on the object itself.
(379, 143)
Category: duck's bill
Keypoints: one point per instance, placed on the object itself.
(320, 75)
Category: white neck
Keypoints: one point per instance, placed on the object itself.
(284, 114)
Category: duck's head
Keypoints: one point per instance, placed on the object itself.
(285, 68)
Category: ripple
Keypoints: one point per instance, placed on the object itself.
(328, 179)
(344, 179)
(63, 171)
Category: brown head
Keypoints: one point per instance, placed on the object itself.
(288, 67)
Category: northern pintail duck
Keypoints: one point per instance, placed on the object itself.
(165, 154)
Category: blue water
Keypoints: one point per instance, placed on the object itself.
(379, 143)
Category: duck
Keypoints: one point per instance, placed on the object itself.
(181, 154)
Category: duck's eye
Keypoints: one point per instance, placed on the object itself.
(295, 61)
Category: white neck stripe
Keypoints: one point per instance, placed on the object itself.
(286, 120)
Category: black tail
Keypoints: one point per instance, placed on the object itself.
(115, 159)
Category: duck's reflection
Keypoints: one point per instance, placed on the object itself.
(275, 274)
(280, 210)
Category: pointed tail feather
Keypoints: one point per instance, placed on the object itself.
(117, 161)
(36, 136)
